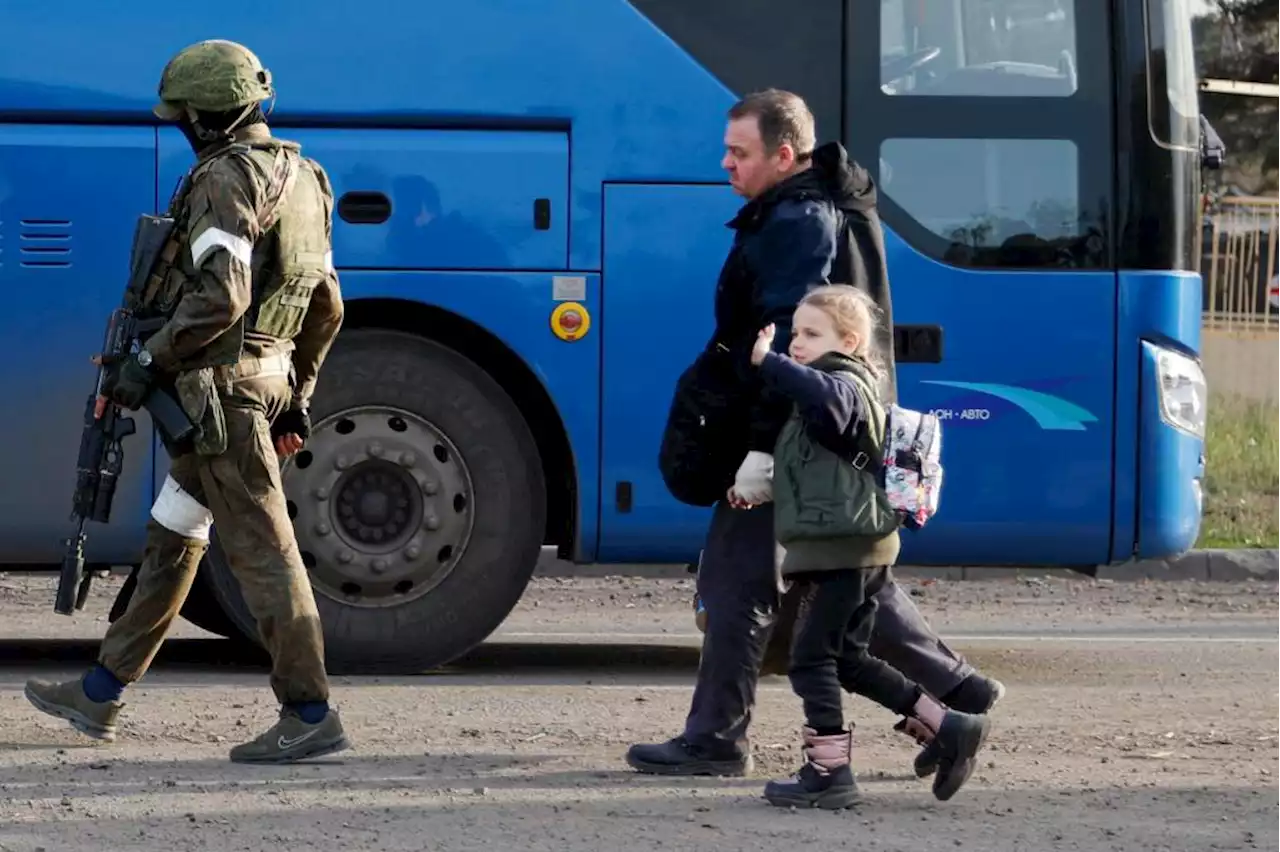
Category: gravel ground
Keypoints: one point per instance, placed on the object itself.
(1139, 717)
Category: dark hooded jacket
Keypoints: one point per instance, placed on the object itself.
(819, 226)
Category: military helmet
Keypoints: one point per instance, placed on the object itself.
(213, 76)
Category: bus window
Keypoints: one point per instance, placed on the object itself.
(978, 48)
(1007, 202)
(1172, 91)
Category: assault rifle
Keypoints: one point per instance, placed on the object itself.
(105, 426)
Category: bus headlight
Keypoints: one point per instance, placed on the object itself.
(1184, 394)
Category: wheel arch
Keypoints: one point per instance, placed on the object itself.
(512, 374)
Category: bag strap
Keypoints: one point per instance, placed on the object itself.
(842, 263)
(871, 437)
(326, 193)
(287, 162)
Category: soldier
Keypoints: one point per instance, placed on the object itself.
(250, 305)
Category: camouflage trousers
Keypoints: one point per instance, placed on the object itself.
(242, 491)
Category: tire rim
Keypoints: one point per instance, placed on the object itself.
(382, 506)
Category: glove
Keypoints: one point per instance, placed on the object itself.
(293, 421)
(127, 383)
(753, 483)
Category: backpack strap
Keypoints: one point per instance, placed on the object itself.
(872, 436)
(285, 167)
(326, 193)
(842, 263)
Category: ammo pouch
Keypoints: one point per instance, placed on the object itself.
(198, 392)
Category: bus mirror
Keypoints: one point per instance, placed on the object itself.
(1213, 154)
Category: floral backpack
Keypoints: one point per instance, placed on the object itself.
(909, 466)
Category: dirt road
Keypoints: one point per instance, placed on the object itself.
(1139, 717)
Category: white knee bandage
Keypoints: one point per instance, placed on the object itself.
(178, 511)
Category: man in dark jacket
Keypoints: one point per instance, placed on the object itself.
(810, 219)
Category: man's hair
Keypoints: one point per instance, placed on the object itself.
(783, 117)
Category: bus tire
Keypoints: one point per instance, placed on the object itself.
(419, 504)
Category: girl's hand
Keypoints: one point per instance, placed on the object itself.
(737, 502)
(764, 343)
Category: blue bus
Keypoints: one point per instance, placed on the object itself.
(530, 222)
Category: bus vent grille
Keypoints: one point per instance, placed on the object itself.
(45, 243)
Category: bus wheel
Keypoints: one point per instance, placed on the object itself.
(418, 503)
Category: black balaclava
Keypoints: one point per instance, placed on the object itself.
(216, 125)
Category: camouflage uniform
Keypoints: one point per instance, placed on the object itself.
(252, 305)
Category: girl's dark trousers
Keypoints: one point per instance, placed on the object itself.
(829, 651)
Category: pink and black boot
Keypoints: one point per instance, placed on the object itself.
(951, 738)
(975, 694)
(824, 781)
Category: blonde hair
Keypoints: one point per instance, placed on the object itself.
(852, 312)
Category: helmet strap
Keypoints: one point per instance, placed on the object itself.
(206, 135)
(201, 132)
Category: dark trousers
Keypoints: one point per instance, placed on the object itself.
(830, 653)
(740, 586)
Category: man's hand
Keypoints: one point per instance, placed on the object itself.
(753, 484)
(764, 344)
(290, 431)
(126, 383)
(287, 445)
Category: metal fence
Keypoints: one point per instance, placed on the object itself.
(1241, 310)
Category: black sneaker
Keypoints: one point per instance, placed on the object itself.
(678, 756)
(975, 694)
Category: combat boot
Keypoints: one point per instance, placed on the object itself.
(825, 780)
(954, 737)
(975, 694)
(67, 700)
(291, 739)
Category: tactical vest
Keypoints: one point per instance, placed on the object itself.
(819, 494)
(294, 255)
(288, 261)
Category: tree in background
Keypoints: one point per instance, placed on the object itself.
(1238, 40)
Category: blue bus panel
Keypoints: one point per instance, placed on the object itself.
(459, 199)
(639, 106)
(69, 197)
(1160, 468)
(663, 249)
(520, 156)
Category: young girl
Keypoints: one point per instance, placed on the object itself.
(839, 532)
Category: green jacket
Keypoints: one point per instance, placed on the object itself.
(830, 513)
